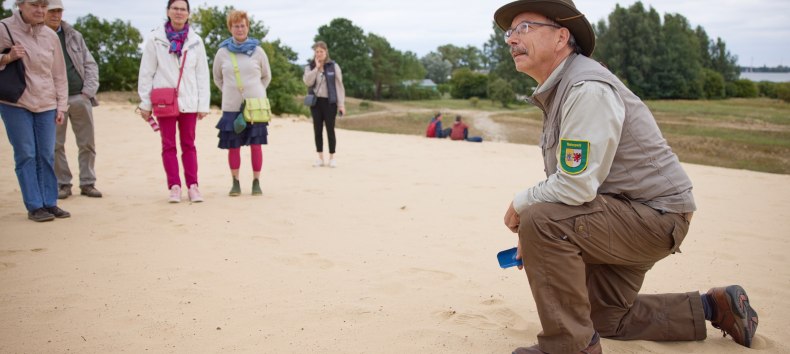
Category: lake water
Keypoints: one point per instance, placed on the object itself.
(773, 77)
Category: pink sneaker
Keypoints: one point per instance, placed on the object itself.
(175, 194)
(194, 194)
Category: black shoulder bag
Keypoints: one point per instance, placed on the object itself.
(12, 77)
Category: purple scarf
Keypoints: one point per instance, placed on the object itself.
(176, 38)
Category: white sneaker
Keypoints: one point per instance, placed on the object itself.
(332, 163)
(194, 194)
(175, 194)
(318, 163)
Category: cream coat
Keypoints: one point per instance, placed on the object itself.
(159, 69)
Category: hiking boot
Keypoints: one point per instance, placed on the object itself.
(194, 194)
(256, 187)
(236, 189)
(90, 191)
(733, 314)
(64, 191)
(175, 194)
(593, 348)
(58, 212)
(40, 215)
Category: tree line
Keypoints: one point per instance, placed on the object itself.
(657, 58)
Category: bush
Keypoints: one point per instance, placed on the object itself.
(742, 88)
(712, 84)
(466, 83)
(474, 101)
(783, 91)
(768, 89)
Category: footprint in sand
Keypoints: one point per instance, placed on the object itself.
(428, 275)
(493, 315)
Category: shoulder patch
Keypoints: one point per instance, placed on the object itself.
(574, 155)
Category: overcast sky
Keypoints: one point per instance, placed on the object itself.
(756, 31)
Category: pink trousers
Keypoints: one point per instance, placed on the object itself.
(186, 123)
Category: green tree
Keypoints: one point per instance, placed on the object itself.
(469, 57)
(286, 78)
(385, 61)
(410, 67)
(116, 48)
(629, 46)
(679, 73)
(500, 91)
(348, 46)
(438, 69)
(724, 62)
(466, 83)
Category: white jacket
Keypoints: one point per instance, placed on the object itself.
(159, 68)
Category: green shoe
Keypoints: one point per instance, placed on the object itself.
(236, 189)
(256, 187)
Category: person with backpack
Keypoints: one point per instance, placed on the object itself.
(435, 130)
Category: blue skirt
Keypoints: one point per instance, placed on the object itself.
(255, 134)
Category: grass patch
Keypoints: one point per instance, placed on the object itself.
(751, 134)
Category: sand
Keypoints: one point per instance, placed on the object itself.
(393, 251)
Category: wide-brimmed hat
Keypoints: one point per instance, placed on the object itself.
(563, 12)
(55, 4)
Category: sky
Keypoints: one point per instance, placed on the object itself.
(756, 31)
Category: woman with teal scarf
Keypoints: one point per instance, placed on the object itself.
(243, 58)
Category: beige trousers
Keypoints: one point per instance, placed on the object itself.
(80, 114)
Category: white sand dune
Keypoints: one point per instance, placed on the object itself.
(392, 252)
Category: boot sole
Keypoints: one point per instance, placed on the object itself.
(739, 303)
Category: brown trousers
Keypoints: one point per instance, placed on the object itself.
(586, 264)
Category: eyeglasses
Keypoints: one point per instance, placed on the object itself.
(523, 27)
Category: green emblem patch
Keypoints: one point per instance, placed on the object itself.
(574, 155)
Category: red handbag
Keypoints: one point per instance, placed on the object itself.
(164, 101)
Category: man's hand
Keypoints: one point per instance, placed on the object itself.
(512, 219)
(518, 254)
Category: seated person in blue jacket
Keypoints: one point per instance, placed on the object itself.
(435, 128)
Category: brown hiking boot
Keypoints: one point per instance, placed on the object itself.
(90, 191)
(733, 315)
(593, 348)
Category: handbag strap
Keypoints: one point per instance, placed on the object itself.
(9, 34)
(312, 88)
(237, 72)
(181, 71)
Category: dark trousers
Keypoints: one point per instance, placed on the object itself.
(586, 265)
(324, 113)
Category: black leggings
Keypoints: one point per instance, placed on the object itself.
(324, 112)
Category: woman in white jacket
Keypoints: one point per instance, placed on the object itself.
(165, 50)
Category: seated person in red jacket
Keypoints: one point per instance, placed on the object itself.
(460, 131)
(435, 128)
